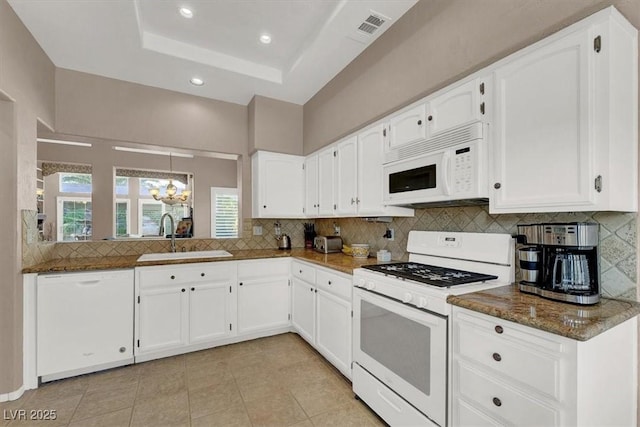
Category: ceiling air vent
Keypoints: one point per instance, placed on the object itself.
(369, 26)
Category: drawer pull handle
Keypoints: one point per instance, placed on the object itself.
(497, 401)
(173, 277)
(499, 329)
(183, 290)
(497, 357)
(193, 289)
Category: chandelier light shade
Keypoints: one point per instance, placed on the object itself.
(171, 196)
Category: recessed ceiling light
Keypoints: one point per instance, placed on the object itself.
(196, 81)
(186, 12)
(265, 38)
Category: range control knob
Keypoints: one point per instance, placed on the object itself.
(360, 283)
(422, 302)
(371, 286)
(407, 298)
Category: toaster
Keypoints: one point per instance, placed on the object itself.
(327, 244)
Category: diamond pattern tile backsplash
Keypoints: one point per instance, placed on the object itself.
(618, 238)
(618, 257)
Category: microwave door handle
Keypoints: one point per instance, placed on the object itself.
(554, 282)
(446, 160)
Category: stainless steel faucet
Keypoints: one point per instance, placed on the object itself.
(173, 229)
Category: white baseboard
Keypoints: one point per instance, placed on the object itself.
(14, 395)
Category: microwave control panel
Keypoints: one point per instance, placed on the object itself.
(463, 170)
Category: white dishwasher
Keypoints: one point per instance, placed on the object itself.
(84, 322)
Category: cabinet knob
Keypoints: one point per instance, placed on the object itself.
(430, 118)
(329, 281)
(173, 277)
(201, 274)
(419, 122)
(497, 357)
(183, 290)
(241, 283)
(193, 289)
(264, 206)
(311, 289)
(300, 271)
(123, 349)
(497, 401)
(497, 185)
(316, 291)
(499, 329)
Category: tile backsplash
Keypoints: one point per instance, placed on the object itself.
(617, 236)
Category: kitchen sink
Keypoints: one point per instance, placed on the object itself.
(184, 255)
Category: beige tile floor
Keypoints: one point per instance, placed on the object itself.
(275, 381)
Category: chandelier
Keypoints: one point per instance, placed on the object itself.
(171, 196)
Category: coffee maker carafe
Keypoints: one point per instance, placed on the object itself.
(562, 264)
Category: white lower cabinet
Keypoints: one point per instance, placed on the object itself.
(181, 306)
(508, 374)
(84, 322)
(263, 295)
(321, 312)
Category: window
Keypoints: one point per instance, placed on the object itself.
(224, 213)
(150, 212)
(122, 185)
(75, 183)
(147, 184)
(74, 218)
(122, 217)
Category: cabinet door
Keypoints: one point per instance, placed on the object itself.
(326, 176)
(281, 185)
(542, 157)
(408, 126)
(347, 177)
(263, 304)
(210, 311)
(163, 318)
(370, 152)
(303, 309)
(311, 185)
(333, 330)
(456, 107)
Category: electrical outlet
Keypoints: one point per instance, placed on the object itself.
(389, 234)
(257, 230)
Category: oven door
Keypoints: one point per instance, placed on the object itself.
(417, 179)
(403, 347)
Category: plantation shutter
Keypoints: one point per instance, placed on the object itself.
(224, 218)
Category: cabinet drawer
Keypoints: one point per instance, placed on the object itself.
(514, 353)
(186, 273)
(303, 271)
(334, 283)
(501, 401)
(260, 268)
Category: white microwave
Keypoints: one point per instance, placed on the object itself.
(448, 169)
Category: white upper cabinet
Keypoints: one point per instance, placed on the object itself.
(311, 185)
(346, 182)
(408, 126)
(565, 133)
(456, 106)
(277, 185)
(326, 176)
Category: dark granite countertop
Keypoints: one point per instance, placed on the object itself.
(336, 261)
(579, 322)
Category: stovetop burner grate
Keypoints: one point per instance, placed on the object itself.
(430, 274)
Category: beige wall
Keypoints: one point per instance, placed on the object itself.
(275, 126)
(435, 43)
(98, 107)
(27, 95)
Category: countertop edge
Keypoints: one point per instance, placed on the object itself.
(486, 302)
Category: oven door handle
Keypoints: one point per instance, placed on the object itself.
(446, 161)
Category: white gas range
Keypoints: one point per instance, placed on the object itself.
(401, 330)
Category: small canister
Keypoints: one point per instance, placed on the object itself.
(530, 263)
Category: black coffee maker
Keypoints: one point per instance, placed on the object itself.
(563, 263)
